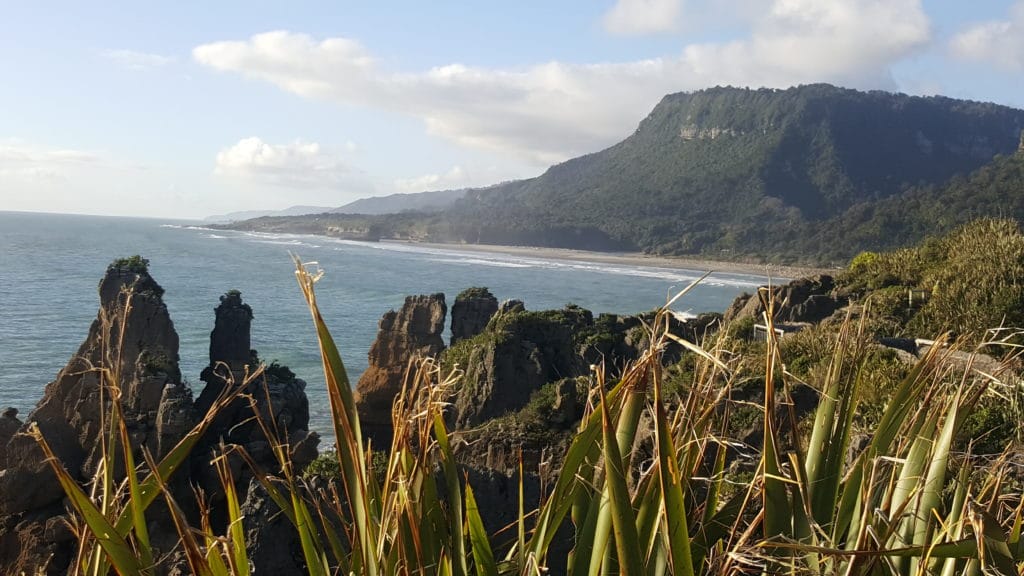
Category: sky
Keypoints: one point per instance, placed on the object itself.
(192, 108)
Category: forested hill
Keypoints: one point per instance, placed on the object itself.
(994, 190)
(740, 170)
(810, 174)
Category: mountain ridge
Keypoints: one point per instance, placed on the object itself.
(738, 173)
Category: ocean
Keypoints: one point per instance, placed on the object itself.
(50, 266)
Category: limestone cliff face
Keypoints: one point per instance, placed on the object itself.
(416, 330)
(472, 310)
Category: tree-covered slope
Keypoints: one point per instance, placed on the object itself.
(994, 190)
(812, 174)
(742, 171)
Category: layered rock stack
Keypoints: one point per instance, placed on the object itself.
(803, 300)
(132, 325)
(132, 342)
(416, 330)
(472, 310)
(278, 395)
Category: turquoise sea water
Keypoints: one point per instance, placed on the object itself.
(50, 266)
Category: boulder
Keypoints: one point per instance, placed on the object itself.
(9, 425)
(271, 541)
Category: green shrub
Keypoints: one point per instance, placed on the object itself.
(474, 292)
(325, 466)
(135, 264)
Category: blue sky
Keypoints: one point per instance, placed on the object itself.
(188, 109)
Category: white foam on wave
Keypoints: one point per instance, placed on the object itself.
(215, 236)
(281, 242)
(506, 260)
(669, 274)
(480, 262)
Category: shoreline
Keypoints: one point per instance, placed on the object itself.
(628, 258)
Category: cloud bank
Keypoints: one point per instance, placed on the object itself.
(551, 111)
(999, 42)
(635, 17)
(296, 164)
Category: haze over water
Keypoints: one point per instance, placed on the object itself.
(50, 266)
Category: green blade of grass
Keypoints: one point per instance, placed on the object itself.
(240, 559)
(348, 435)
(583, 448)
(454, 487)
(121, 555)
(134, 491)
(677, 535)
(483, 557)
(623, 517)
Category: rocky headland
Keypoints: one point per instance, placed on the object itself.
(133, 342)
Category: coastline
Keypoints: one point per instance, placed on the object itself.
(628, 259)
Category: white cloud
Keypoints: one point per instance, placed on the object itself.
(548, 112)
(635, 17)
(1000, 42)
(454, 178)
(29, 163)
(51, 178)
(850, 42)
(137, 61)
(294, 165)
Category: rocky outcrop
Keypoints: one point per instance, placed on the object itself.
(278, 396)
(133, 343)
(517, 354)
(472, 310)
(803, 300)
(9, 425)
(416, 330)
(230, 350)
(132, 320)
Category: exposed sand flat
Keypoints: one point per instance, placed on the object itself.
(631, 259)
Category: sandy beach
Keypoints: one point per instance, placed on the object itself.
(631, 259)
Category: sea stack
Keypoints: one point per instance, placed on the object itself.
(416, 330)
(472, 310)
(134, 341)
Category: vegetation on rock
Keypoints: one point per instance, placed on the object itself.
(969, 281)
(135, 264)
